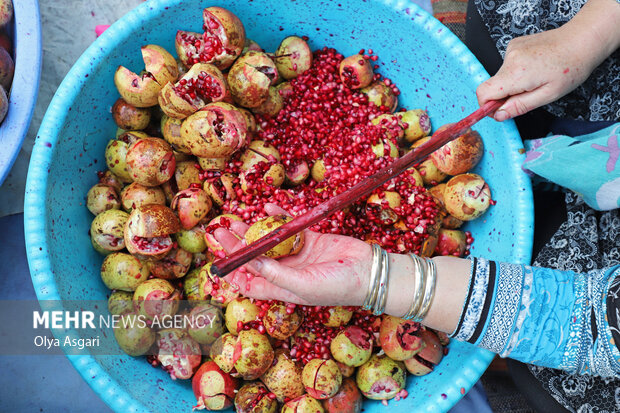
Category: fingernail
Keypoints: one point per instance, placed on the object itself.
(501, 115)
(258, 263)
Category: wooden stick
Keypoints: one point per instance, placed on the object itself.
(237, 259)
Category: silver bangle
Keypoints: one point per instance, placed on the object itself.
(418, 285)
(429, 290)
(379, 307)
(374, 276)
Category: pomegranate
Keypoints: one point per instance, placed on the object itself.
(171, 131)
(451, 242)
(293, 57)
(101, 198)
(467, 196)
(460, 155)
(221, 221)
(253, 354)
(255, 398)
(202, 84)
(216, 131)
(213, 388)
(148, 229)
(220, 290)
(425, 361)
(220, 187)
(250, 120)
(7, 65)
(431, 175)
(223, 352)
(346, 371)
(283, 377)
(352, 346)
(142, 90)
(290, 246)
(381, 378)
(116, 159)
(381, 95)
(192, 206)
(133, 337)
(251, 45)
(220, 44)
(187, 175)
(106, 231)
(282, 321)
(391, 125)
(174, 265)
(356, 72)
(120, 271)
(150, 161)
(250, 77)
(155, 298)
(213, 164)
(321, 378)
(129, 117)
(178, 353)
(418, 124)
(272, 105)
(238, 312)
(208, 323)
(135, 195)
(110, 179)
(381, 206)
(399, 339)
(347, 400)
(303, 404)
(297, 174)
(120, 302)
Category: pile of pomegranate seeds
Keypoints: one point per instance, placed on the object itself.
(322, 119)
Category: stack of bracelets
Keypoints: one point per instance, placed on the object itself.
(425, 278)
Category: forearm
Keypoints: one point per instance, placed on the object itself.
(595, 29)
(546, 317)
(450, 292)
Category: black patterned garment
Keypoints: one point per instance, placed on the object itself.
(594, 240)
(592, 237)
(597, 99)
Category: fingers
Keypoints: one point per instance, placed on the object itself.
(273, 209)
(279, 274)
(230, 243)
(508, 81)
(522, 103)
(261, 289)
(239, 228)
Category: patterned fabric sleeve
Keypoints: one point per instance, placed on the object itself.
(546, 317)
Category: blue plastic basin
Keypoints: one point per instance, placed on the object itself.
(432, 68)
(26, 30)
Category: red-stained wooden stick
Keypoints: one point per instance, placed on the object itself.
(346, 198)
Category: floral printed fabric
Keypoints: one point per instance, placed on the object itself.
(588, 164)
(594, 100)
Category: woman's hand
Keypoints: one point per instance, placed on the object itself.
(541, 68)
(329, 270)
